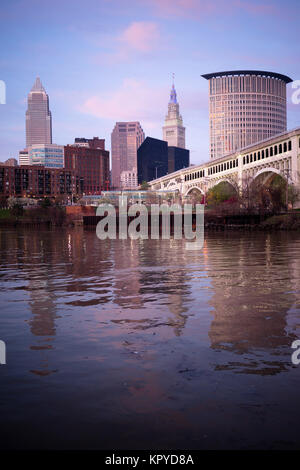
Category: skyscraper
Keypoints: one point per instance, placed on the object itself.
(245, 106)
(38, 116)
(173, 130)
(126, 138)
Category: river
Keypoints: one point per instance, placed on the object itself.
(138, 344)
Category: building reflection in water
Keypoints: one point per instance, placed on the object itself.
(149, 283)
(250, 303)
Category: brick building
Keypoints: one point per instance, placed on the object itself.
(90, 162)
(38, 181)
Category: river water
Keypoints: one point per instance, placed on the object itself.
(123, 344)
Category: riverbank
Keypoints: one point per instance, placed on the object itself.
(74, 216)
(288, 221)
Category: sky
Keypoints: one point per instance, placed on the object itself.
(103, 61)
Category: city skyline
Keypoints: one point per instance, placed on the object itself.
(124, 72)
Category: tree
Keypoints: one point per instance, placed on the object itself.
(223, 198)
(293, 194)
(144, 186)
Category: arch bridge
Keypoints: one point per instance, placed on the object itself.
(279, 155)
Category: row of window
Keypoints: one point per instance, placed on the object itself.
(223, 166)
(268, 152)
(256, 84)
(193, 176)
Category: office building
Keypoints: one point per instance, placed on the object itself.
(152, 159)
(92, 164)
(178, 158)
(126, 138)
(173, 130)
(129, 179)
(38, 181)
(24, 157)
(94, 143)
(245, 107)
(156, 159)
(50, 155)
(38, 116)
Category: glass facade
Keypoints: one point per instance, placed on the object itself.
(50, 156)
(152, 159)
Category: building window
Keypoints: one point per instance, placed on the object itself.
(290, 145)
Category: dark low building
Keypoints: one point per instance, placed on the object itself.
(178, 158)
(38, 181)
(152, 157)
(156, 159)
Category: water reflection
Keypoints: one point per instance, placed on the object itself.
(250, 302)
(147, 327)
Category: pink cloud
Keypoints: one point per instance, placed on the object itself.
(138, 38)
(133, 101)
(141, 36)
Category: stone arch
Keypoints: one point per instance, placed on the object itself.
(223, 180)
(191, 189)
(269, 170)
(172, 183)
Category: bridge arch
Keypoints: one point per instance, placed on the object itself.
(232, 183)
(269, 170)
(193, 188)
(171, 184)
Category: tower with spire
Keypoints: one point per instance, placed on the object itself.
(173, 130)
(38, 116)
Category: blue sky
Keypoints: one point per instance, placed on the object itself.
(112, 60)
